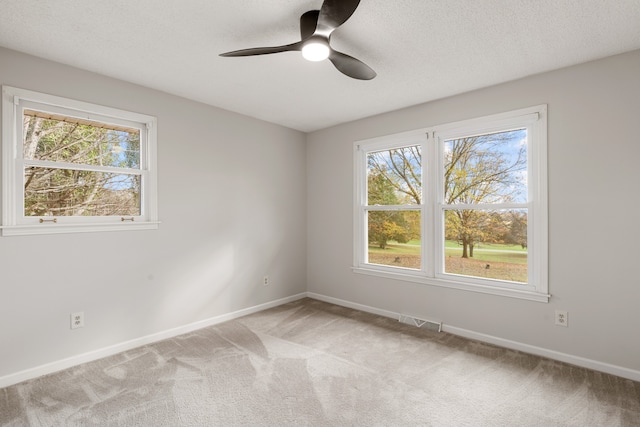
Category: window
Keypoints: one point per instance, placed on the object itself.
(460, 205)
(70, 166)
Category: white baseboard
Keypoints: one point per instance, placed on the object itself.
(513, 345)
(355, 306)
(59, 365)
(128, 345)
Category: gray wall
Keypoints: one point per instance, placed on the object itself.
(240, 198)
(232, 201)
(594, 206)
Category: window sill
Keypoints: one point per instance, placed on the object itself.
(452, 284)
(29, 230)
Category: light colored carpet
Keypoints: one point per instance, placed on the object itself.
(309, 363)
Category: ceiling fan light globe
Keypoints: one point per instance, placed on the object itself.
(315, 51)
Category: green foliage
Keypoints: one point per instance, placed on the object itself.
(484, 169)
(401, 168)
(517, 229)
(478, 170)
(381, 190)
(399, 226)
(394, 178)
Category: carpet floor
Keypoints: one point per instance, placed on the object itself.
(309, 363)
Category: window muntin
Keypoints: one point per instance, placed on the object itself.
(72, 166)
(57, 138)
(483, 188)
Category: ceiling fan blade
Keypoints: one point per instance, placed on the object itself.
(264, 50)
(308, 23)
(334, 13)
(351, 66)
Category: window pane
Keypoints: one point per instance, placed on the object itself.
(394, 177)
(64, 192)
(59, 139)
(394, 238)
(487, 244)
(490, 168)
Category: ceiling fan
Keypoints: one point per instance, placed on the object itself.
(316, 27)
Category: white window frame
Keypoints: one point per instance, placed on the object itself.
(14, 222)
(432, 141)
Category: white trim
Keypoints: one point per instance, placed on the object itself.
(85, 110)
(80, 167)
(116, 225)
(583, 362)
(415, 276)
(14, 222)
(397, 140)
(488, 124)
(59, 365)
(432, 140)
(353, 305)
(90, 356)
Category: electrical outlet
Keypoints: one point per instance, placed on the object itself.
(77, 320)
(562, 318)
(265, 280)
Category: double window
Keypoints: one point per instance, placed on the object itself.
(72, 166)
(461, 205)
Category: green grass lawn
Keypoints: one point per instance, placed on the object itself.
(398, 248)
(480, 255)
(506, 262)
(488, 246)
(413, 247)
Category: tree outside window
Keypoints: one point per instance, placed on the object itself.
(60, 190)
(71, 166)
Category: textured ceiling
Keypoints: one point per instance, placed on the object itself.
(421, 49)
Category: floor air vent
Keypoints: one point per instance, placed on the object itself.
(420, 323)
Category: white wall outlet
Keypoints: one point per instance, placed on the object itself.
(562, 318)
(77, 320)
(265, 280)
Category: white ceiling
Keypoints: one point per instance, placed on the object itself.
(421, 49)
